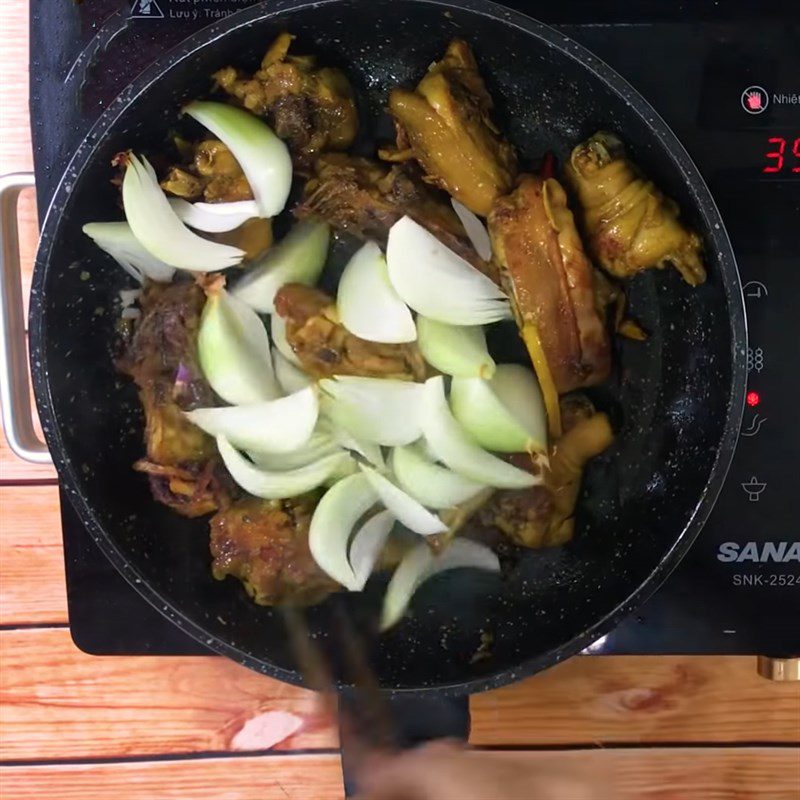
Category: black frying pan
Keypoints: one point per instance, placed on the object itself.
(676, 401)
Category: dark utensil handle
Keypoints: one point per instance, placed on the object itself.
(415, 721)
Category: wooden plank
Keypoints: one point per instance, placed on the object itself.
(32, 583)
(643, 774)
(640, 699)
(308, 777)
(121, 706)
(110, 707)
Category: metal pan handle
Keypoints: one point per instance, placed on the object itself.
(14, 378)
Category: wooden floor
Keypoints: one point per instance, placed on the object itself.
(76, 726)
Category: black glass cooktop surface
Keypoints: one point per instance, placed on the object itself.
(728, 82)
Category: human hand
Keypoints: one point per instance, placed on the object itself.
(445, 771)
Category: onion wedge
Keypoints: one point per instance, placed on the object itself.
(159, 229)
(438, 283)
(382, 411)
(408, 511)
(298, 258)
(458, 350)
(505, 414)
(278, 485)
(367, 545)
(431, 484)
(420, 564)
(368, 305)
(117, 239)
(214, 217)
(263, 157)
(233, 350)
(455, 448)
(320, 444)
(334, 519)
(277, 329)
(476, 230)
(369, 451)
(290, 378)
(276, 426)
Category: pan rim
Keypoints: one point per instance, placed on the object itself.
(690, 175)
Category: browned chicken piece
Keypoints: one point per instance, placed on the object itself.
(445, 124)
(543, 515)
(631, 225)
(552, 284)
(161, 358)
(325, 347)
(365, 198)
(264, 543)
(312, 108)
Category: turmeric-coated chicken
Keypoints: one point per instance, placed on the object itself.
(161, 357)
(312, 108)
(631, 225)
(543, 516)
(551, 282)
(445, 124)
(365, 198)
(264, 543)
(325, 347)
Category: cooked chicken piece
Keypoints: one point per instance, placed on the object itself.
(312, 108)
(551, 282)
(326, 348)
(162, 359)
(264, 544)
(631, 225)
(445, 124)
(365, 198)
(543, 515)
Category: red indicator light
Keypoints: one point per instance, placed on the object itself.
(753, 399)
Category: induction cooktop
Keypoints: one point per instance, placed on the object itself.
(727, 80)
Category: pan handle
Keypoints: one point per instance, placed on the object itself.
(15, 400)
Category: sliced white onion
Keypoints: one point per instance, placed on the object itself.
(117, 239)
(298, 258)
(319, 445)
(214, 217)
(367, 545)
(383, 411)
(334, 518)
(276, 426)
(277, 329)
(368, 450)
(290, 377)
(159, 229)
(505, 414)
(277, 485)
(433, 485)
(458, 350)
(263, 157)
(408, 511)
(455, 448)
(476, 230)
(438, 283)
(368, 305)
(233, 350)
(420, 563)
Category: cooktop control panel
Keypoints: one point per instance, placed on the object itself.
(730, 89)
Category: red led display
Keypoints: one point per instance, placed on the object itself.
(779, 158)
(753, 399)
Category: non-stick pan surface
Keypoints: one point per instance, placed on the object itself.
(676, 399)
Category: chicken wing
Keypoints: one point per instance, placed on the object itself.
(445, 124)
(551, 283)
(264, 543)
(631, 225)
(312, 108)
(365, 198)
(325, 347)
